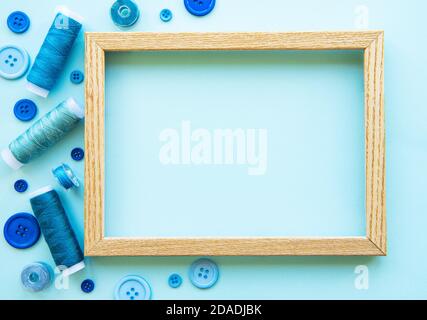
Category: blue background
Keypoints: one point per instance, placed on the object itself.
(314, 102)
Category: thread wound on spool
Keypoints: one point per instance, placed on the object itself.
(57, 231)
(66, 177)
(37, 276)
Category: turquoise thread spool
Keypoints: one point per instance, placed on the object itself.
(56, 48)
(57, 230)
(43, 134)
(37, 276)
(66, 177)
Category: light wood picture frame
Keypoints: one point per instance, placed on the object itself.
(372, 244)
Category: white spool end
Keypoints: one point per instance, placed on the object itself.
(37, 90)
(10, 159)
(73, 269)
(69, 13)
(75, 108)
(41, 191)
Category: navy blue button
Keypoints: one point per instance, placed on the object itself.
(87, 286)
(204, 273)
(166, 15)
(77, 77)
(124, 13)
(14, 62)
(21, 230)
(77, 154)
(18, 22)
(174, 280)
(199, 7)
(25, 110)
(132, 288)
(20, 185)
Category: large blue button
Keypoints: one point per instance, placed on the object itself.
(124, 13)
(21, 230)
(20, 185)
(18, 22)
(25, 110)
(14, 62)
(199, 7)
(77, 77)
(204, 273)
(132, 288)
(174, 280)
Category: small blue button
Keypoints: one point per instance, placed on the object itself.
(125, 13)
(204, 273)
(175, 280)
(77, 154)
(199, 7)
(166, 15)
(132, 288)
(25, 110)
(14, 62)
(20, 185)
(18, 22)
(21, 230)
(87, 286)
(77, 77)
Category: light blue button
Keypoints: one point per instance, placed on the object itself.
(14, 62)
(204, 273)
(132, 288)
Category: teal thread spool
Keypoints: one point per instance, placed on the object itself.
(37, 276)
(57, 230)
(53, 54)
(66, 177)
(43, 134)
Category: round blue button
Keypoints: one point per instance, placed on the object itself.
(166, 15)
(204, 273)
(14, 62)
(87, 286)
(21, 230)
(25, 110)
(175, 280)
(20, 185)
(124, 13)
(77, 77)
(199, 7)
(18, 22)
(132, 288)
(77, 154)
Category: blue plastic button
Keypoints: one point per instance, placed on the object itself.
(14, 62)
(77, 154)
(20, 185)
(175, 280)
(77, 77)
(18, 22)
(204, 273)
(87, 286)
(199, 7)
(125, 13)
(21, 230)
(25, 110)
(132, 288)
(166, 15)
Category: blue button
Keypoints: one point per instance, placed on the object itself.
(14, 62)
(199, 7)
(87, 286)
(21, 230)
(124, 13)
(175, 280)
(25, 110)
(77, 77)
(166, 15)
(18, 22)
(77, 154)
(20, 185)
(204, 273)
(132, 288)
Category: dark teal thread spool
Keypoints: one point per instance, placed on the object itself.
(57, 230)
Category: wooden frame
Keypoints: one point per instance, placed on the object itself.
(373, 244)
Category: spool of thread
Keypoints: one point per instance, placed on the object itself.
(37, 276)
(57, 230)
(56, 48)
(43, 134)
(66, 177)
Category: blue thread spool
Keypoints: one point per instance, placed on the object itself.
(37, 276)
(124, 13)
(56, 48)
(43, 134)
(57, 231)
(66, 177)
